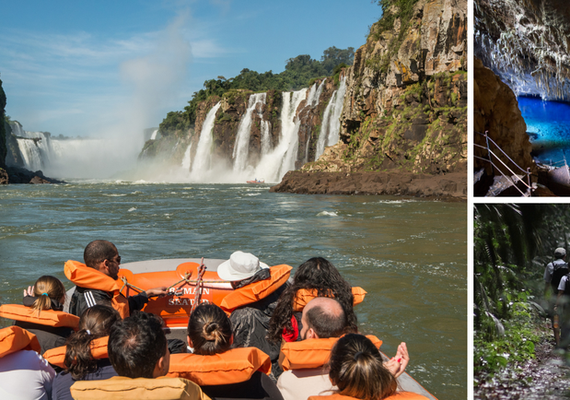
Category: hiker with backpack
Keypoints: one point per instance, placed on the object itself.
(553, 274)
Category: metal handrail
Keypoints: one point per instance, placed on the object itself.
(490, 160)
(505, 154)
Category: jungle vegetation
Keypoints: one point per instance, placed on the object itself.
(512, 245)
(299, 72)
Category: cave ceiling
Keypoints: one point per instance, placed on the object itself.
(527, 43)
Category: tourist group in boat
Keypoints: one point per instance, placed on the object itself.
(265, 335)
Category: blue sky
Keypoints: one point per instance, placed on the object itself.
(105, 67)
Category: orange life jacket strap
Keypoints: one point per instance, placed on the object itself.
(56, 356)
(14, 338)
(89, 278)
(19, 312)
(233, 366)
(257, 290)
(303, 296)
(311, 353)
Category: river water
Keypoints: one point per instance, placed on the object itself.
(410, 255)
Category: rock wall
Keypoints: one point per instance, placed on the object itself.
(232, 109)
(496, 111)
(452, 186)
(406, 101)
(3, 149)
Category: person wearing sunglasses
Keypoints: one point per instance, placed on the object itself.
(104, 257)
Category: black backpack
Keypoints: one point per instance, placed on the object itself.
(557, 277)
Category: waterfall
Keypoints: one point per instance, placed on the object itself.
(35, 147)
(186, 159)
(202, 159)
(241, 146)
(330, 128)
(277, 161)
(265, 137)
(154, 134)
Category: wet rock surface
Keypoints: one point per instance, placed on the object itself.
(452, 186)
(496, 111)
(22, 175)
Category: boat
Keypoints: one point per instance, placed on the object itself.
(189, 283)
(256, 181)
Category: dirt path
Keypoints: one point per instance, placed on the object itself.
(546, 377)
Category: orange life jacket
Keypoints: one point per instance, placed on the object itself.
(257, 290)
(89, 278)
(56, 356)
(19, 312)
(233, 366)
(311, 353)
(14, 338)
(396, 396)
(303, 296)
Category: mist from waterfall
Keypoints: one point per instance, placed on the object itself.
(198, 158)
(330, 128)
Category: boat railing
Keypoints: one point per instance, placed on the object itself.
(496, 164)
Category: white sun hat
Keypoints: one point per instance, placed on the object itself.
(240, 266)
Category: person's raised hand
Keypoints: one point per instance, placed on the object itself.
(397, 364)
(29, 291)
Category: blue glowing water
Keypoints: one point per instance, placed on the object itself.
(548, 124)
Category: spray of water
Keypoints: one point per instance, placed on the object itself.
(150, 81)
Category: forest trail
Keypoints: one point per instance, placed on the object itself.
(544, 377)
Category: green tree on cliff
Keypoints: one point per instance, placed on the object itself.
(299, 72)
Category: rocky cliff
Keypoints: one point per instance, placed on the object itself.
(266, 114)
(526, 43)
(496, 112)
(404, 108)
(406, 102)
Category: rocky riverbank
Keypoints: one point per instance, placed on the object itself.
(451, 186)
(22, 175)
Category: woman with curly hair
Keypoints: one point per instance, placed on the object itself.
(80, 364)
(320, 278)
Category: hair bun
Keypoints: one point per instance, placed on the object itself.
(211, 327)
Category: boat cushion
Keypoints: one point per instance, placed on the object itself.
(123, 388)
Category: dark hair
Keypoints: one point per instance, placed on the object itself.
(210, 330)
(46, 289)
(357, 370)
(315, 273)
(98, 251)
(136, 344)
(325, 322)
(95, 322)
